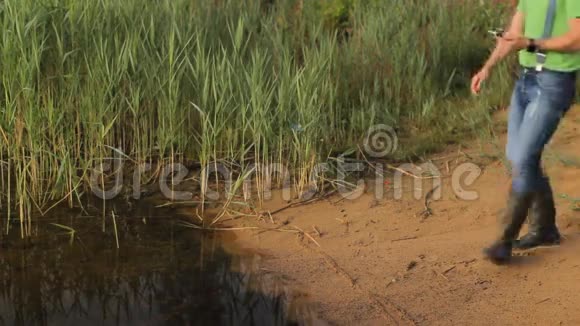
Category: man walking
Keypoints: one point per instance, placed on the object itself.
(547, 35)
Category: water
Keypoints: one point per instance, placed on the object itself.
(162, 274)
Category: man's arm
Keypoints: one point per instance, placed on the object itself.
(503, 48)
(569, 42)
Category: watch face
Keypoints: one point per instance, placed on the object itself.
(531, 45)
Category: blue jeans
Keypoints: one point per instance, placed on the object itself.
(539, 102)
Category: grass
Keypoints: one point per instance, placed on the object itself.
(69, 231)
(243, 84)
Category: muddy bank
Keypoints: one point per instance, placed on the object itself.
(377, 262)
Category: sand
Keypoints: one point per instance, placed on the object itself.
(382, 262)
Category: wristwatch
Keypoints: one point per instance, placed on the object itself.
(532, 46)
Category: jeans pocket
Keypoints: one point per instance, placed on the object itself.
(559, 87)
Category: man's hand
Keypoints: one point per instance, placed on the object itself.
(505, 46)
(502, 49)
(478, 79)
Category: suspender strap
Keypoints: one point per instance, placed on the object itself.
(548, 27)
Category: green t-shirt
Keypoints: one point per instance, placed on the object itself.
(535, 12)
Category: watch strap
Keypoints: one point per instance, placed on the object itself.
(532, 46)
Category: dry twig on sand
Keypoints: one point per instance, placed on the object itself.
(308, 235)
(317, 231)
(300, 203)
(449, 269)
(440, 274)
(404, 239)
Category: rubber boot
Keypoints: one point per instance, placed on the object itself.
(542, 228)
(500, 252)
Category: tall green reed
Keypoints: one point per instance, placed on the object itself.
(240, 83)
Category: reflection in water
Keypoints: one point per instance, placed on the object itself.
(163, 274)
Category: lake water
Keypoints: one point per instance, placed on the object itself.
(162, 274)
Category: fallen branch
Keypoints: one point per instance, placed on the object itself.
(404, 239)
(449, 269)
(543, 300)
(404, 316)
(303, 202)
(339, 270)
(317, 232)
(308, 235)
(407, 173)
(197, 227)
(440, 274)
